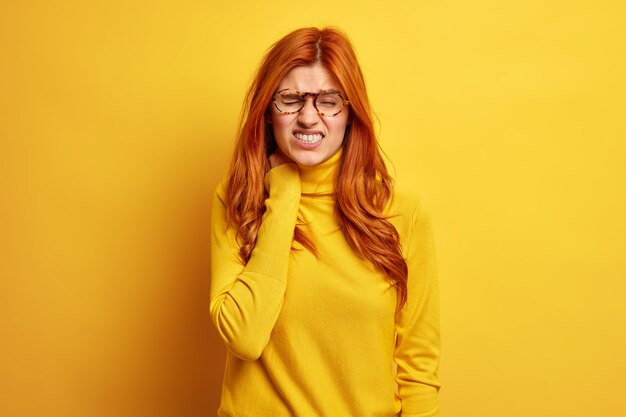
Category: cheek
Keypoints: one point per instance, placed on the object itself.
(281, 131)
(277, 121)
(340, 127)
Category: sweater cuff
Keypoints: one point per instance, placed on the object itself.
(284, 178)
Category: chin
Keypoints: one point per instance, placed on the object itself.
(309, 160)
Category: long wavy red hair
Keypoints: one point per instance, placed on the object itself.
(364, 187)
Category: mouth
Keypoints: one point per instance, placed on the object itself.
(308, 138)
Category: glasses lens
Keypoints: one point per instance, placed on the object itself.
(289, 101)
(329, 103)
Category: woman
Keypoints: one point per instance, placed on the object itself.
(323, 278)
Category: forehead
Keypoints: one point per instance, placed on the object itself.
(309, 78)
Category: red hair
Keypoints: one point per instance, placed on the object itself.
(364, 187)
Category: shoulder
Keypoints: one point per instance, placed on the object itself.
(404, 201)
(219, 194)
(406, 209)
(218, 203)
(219, 216)
(404, 204)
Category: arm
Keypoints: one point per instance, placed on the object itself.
(417, 324)
(246, 300)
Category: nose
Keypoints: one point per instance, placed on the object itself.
(308, 115)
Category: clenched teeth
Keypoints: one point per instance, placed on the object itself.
(308, 138)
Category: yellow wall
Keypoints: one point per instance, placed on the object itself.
(117, 120)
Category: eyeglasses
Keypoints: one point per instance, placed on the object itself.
(328, 103)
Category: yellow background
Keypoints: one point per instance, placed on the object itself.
(117, 122)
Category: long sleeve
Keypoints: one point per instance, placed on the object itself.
(417, 324)
(246, 300)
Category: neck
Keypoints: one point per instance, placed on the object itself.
(320, 179)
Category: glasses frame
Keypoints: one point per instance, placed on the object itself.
(315, 96)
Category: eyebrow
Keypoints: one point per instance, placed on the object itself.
(330, 90)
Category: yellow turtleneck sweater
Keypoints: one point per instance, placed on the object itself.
(313, 337)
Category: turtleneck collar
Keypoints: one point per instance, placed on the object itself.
(320, 179)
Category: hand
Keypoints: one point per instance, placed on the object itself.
(279, 158)
(286, 183)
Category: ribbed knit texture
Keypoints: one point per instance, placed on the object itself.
(321, 337)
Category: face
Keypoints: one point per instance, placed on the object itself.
(306, 137)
